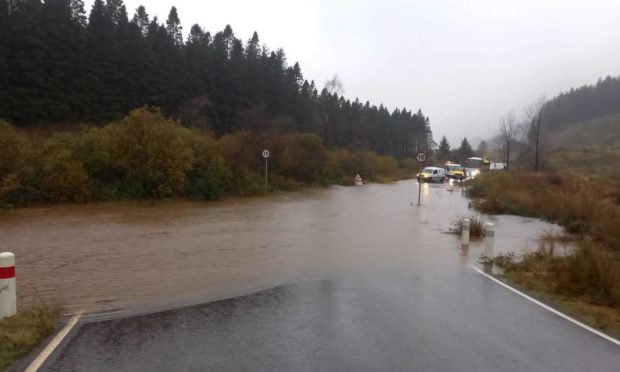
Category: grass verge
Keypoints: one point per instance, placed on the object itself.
(585, 282)
(21, 333)
(547, 278)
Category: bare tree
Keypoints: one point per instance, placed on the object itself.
(334, 86)
(334, 89)
(507, 131)
(534, 117)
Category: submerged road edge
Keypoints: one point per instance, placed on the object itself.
(54, 343)
(547, 307)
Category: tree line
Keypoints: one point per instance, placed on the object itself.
(60, 65)
(583, 104)
(147, 155)
(444, 152)
(531, 134)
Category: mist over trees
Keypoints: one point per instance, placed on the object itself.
(59, 64)
(582, 104)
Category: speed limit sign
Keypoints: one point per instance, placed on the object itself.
(420, 157)
(265, 154)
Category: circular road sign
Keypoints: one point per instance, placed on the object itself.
(265, 154)
(420, 157)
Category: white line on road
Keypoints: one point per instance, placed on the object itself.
(546, 307)
(40, 359)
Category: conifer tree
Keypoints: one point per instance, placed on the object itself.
(174, 28)
(141, 19)
(444, 149)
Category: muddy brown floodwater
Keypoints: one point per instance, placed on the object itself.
(123, 257)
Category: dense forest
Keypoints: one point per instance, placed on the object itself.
(583, 104)
(58, 65)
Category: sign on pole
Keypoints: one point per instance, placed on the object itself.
(266, 156)
(420, 157)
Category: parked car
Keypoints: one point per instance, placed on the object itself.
(497, 166)
(432, 174)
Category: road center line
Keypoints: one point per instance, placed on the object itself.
(42, 357)
(546, 307)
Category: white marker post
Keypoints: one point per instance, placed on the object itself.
(421, 158)
(266, 156)
(8, 293)
(465, 232)
(489, 240)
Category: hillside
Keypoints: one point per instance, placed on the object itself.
(583, 104)
(589, 148)
(604, 131)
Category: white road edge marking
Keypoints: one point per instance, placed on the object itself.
(546, 307)
(40, 359)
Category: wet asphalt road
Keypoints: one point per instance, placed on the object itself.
(380, 288)
(452, 320)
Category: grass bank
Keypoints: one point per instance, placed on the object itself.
(21, 333)
(585, 283)
(571, 284)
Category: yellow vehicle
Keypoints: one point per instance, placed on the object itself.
(478, 163)
(454, 170)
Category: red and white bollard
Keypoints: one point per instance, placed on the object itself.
(8, 292)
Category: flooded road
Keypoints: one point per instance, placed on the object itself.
(123, 257)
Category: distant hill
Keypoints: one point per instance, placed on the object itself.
(583, 104)
(604, 131)
(590, 148)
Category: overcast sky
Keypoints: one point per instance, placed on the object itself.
(464, 63)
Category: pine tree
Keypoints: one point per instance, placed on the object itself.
(465, 151)
(78, 13)
(4, 54)
(482, 148)
(62, 68)
(116, 11)
(174, 28)
(444, 149)
(141, 19)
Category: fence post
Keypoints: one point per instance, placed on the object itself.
(8, 292)
(489, 240)
(465, 232)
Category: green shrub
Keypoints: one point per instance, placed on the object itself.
(150, 151)
(381, 167)
(303, 158)
(211, 181)
(14, 157)
(62, 177)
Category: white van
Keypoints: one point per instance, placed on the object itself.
(432, 174)
(497, 166)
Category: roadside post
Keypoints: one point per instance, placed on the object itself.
(8, 293)
(421, 158)
(489, 240)
(465, 232)
(266, 156)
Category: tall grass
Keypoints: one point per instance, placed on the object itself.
(581, 206)
(592, 272)
(22, 332)
(476, 226)
(588, 208)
